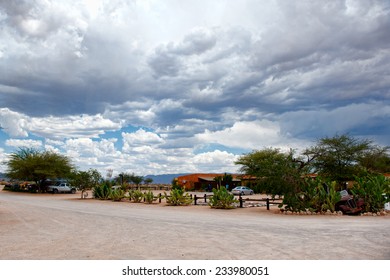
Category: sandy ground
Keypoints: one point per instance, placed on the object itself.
(63, 227)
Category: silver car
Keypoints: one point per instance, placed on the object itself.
(242, 190)
(61, 187)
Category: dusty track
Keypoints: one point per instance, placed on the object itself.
(64, 227)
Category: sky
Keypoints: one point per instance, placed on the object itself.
(160, 87)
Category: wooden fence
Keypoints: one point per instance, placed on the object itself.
(268, 201)
(241, 200)
(151, 187)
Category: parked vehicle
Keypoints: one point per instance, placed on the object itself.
(242, 190)
(348, 204)
(61, 187)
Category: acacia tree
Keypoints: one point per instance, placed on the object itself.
(127, 177)
(86, 180)
(148, 181)
(38, 166)
(338, 157)
(137, 180)
(276, 172)
(376, 160)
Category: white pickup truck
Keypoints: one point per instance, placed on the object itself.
(61, 187)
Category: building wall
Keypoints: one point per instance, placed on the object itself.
(193, 181)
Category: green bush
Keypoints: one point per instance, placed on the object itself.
(117, 195)
(136, 196)
(314, 195)
(149, 197)
(222, 199)
(102, 192)
(177, 197)
(175, 185)
(374, 190)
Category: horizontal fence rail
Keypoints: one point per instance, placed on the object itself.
(268, 201)
(204, 198)
(152, 187)
(196, 198)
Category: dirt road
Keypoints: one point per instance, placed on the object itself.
(63, 227)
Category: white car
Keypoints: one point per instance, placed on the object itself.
(61, 187)
(242, 190)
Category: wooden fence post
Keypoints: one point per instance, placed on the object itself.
(267, 203)
(159, 198)
(240, 199)
(195, 198)
(205, 198)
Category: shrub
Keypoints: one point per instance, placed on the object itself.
(374, 190)
(136, 196)
(177, 197)
(314, 195)
(149, 197)
(117, 195)
(175, 185)
(222, 199)
(102, 192)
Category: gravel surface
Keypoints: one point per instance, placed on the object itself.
(64, 227)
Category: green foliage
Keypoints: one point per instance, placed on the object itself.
(336, 157)
(124, 178)
(175, 184)
(85, 180)
(276, 172)
(137, 180)
(374, 190)
(222, 199)
(330, 198)
(149, 197)
(33, 165)
(177, 197)
(340, 158)
(148, 181)
(117, 194)
(313, 195)
(136, 196)
(102, 191)
(376, 160)
(224, 180)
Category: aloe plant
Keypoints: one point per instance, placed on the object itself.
(177, 197)
(102, 192)
(136, 196)
(374, 190)
(149, 197)
(329, 197)
(314, 195)
(117, 195)
(222, 199)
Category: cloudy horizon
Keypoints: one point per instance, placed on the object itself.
(159, 87)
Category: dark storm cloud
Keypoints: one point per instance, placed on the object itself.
(309, 55)
(164, 64)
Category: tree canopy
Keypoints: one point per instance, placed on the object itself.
(339, 158)
(86, 180)
(343, 157)
(274, 170)
(225, 180)
(38, 166)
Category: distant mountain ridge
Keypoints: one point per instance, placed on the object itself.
(157, 179)
(164, 178)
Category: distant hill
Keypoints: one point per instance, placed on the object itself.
(157, 179)
(3, 176)
(164, 178)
